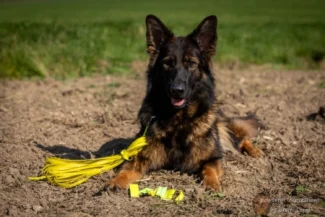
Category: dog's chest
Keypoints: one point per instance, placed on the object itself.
(185, 150)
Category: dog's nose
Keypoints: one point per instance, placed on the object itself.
(177, 89)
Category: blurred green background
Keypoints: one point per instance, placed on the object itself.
(57, 38)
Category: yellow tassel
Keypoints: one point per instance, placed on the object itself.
(70, 173)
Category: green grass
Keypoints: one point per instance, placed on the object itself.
(77, 38)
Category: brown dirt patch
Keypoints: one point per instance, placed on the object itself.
(76, 119)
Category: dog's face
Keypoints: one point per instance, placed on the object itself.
(181, 63)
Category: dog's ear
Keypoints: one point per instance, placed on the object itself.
(205, 35)
(157, 34)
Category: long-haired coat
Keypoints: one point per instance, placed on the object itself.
(188, 131)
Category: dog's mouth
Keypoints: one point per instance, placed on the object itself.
(178, 102)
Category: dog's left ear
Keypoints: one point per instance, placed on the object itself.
(205, 35)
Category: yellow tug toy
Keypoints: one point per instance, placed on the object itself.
(70, 173)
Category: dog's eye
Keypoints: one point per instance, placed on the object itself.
(192, 63)
(168, 63)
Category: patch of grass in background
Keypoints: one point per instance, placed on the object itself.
(61, 50)
(77, 38)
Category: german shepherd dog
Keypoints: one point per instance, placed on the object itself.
(189, 132)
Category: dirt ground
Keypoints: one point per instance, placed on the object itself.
(77, 118)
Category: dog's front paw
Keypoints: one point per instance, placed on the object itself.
(123, 179)
(256, 153)
(119, 182)
(211, 183)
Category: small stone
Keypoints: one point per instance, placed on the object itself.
(43, 204)
(37, 208)
(27, 206)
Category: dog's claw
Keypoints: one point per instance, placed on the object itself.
(211, 183)
(117, 183)
(257, 153)
(212, 186)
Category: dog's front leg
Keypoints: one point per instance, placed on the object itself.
(130, 172)
(211, 175)
(151, 157)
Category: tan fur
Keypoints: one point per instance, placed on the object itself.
(225, 138)
(124, 178)
(211, 175)
(244, 131)
(243, 128)
(247, 146)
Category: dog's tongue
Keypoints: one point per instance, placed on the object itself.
(177, 102)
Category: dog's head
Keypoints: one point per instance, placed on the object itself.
(180, 66)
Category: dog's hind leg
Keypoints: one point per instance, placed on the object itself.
(242, 130)
(247, 146)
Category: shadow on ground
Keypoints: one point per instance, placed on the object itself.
(108, 148)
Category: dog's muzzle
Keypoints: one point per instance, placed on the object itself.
(177, 93)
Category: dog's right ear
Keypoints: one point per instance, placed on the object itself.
(206, 36)
(157, 34)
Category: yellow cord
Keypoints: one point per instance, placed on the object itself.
(70, 173)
